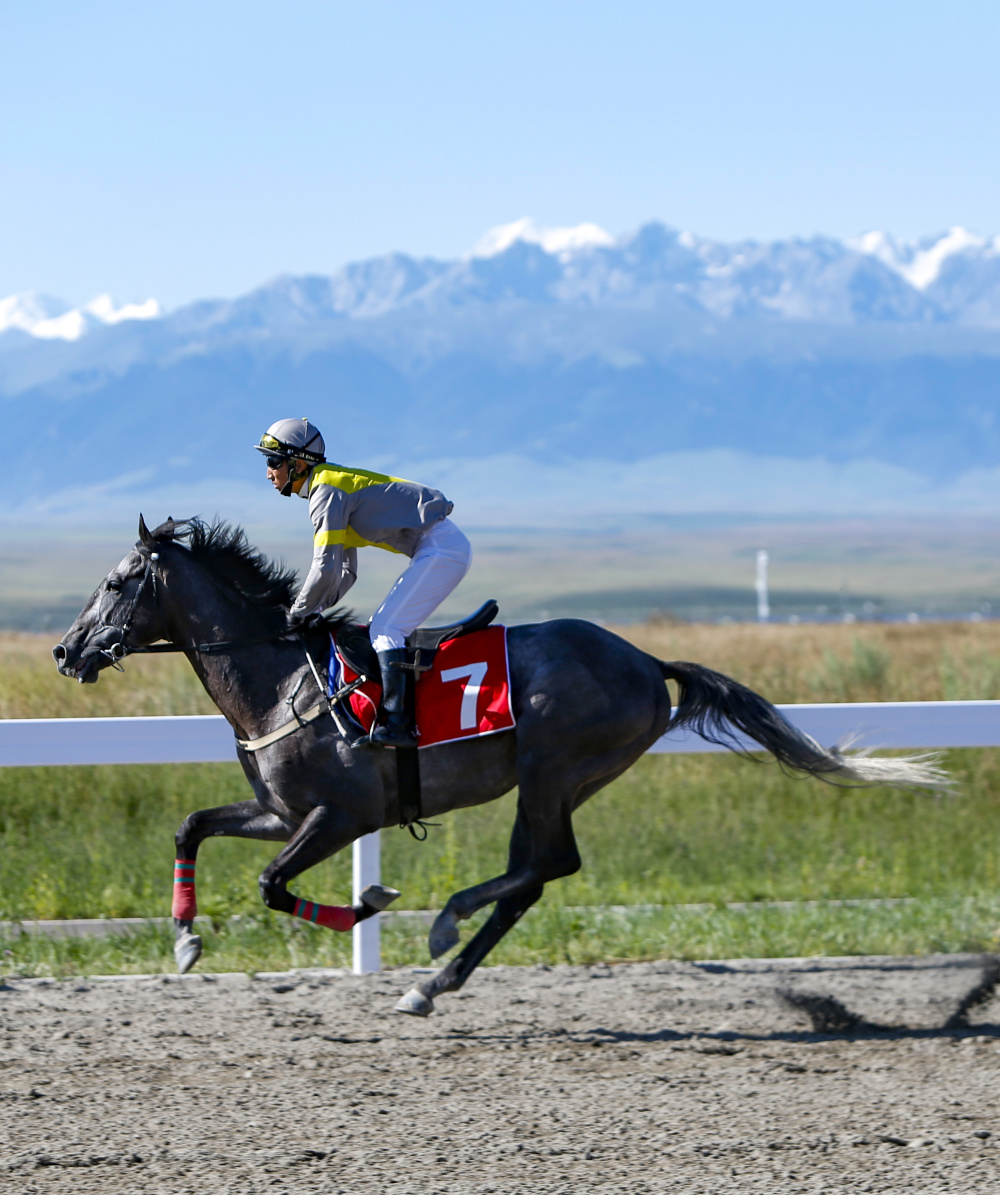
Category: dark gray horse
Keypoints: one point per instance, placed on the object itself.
(587, 703)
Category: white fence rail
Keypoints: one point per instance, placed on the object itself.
(208, 738)
(44, 742)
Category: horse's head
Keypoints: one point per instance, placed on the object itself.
(122, 613)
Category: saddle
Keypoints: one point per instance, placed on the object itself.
(355, 645)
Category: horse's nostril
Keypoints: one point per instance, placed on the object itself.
(59, 653)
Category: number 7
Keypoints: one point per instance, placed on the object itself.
(474, 674)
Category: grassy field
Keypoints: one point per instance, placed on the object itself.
(673, 831)
(621, 572)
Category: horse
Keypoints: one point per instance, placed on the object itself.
(587, 705)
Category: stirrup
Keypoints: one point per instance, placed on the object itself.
(396, 731)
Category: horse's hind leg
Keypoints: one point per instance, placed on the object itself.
(542, 848)
(419, 1001)
(243, 819)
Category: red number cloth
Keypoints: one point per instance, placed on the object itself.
(466, 694)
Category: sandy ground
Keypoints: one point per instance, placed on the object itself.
(634, 1078)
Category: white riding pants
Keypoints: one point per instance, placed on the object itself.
(441, 560)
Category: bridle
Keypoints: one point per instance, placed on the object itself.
(118, 650)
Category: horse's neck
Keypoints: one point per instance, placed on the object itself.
(198, 611)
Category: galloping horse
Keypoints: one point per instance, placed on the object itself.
(587, 706)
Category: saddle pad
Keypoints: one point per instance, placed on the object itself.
(465, 694)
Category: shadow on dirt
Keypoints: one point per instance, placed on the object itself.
(832, 1018)
(829, 1019)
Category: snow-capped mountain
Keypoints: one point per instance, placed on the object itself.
(922, 262)
(553, 353)
(46, 318)
(874, 278)
(560, 241)
(951, 278)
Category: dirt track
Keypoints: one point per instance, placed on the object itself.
(638, 1078)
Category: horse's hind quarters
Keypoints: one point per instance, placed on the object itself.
(378, 897)
(415, 1003)
(187, 951)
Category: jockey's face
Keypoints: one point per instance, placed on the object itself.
(278, 477)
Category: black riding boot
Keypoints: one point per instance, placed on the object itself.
(397, 729)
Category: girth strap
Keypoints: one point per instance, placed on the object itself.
(408, 765)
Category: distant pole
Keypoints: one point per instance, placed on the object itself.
(367, 870)
(763, 606)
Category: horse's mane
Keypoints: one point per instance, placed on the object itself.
(224, 550)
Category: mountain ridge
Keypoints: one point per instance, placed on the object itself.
(951, 277)
(551, 348)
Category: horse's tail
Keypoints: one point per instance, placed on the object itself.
(715, 707)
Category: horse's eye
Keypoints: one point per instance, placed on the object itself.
(115, 585)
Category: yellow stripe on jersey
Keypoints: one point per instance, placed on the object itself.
(348, 480)
(326, 539)
(349, 538)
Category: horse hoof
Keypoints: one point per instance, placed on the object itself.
(415, 1003)
(187, 951)
(377, 896)
(443, 936)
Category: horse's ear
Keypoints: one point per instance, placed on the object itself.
(145, 538)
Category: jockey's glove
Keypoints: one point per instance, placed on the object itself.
(304, 622)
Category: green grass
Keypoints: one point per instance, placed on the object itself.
(548, 934)
(674, 830)
(90, 842)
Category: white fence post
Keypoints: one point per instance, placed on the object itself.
(763, 602)
(367, 870)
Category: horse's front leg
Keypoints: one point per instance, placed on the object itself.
(244, 819)
(324, 831)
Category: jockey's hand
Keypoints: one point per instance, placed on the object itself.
(305, 622)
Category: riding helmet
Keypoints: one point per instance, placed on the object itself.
(293, 438)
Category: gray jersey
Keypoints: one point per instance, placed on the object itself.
(356, 508)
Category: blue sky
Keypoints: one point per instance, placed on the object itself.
(197, 149)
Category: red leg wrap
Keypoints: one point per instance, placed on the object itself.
(339, 917)
(185, 907)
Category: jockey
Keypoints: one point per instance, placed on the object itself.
(356, 508)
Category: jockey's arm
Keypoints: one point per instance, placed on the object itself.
(350, 571)
(334, 567)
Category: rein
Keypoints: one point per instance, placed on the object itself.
(209, 649)
(120, 649)
(408, 770)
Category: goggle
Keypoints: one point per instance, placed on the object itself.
(276, 451)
